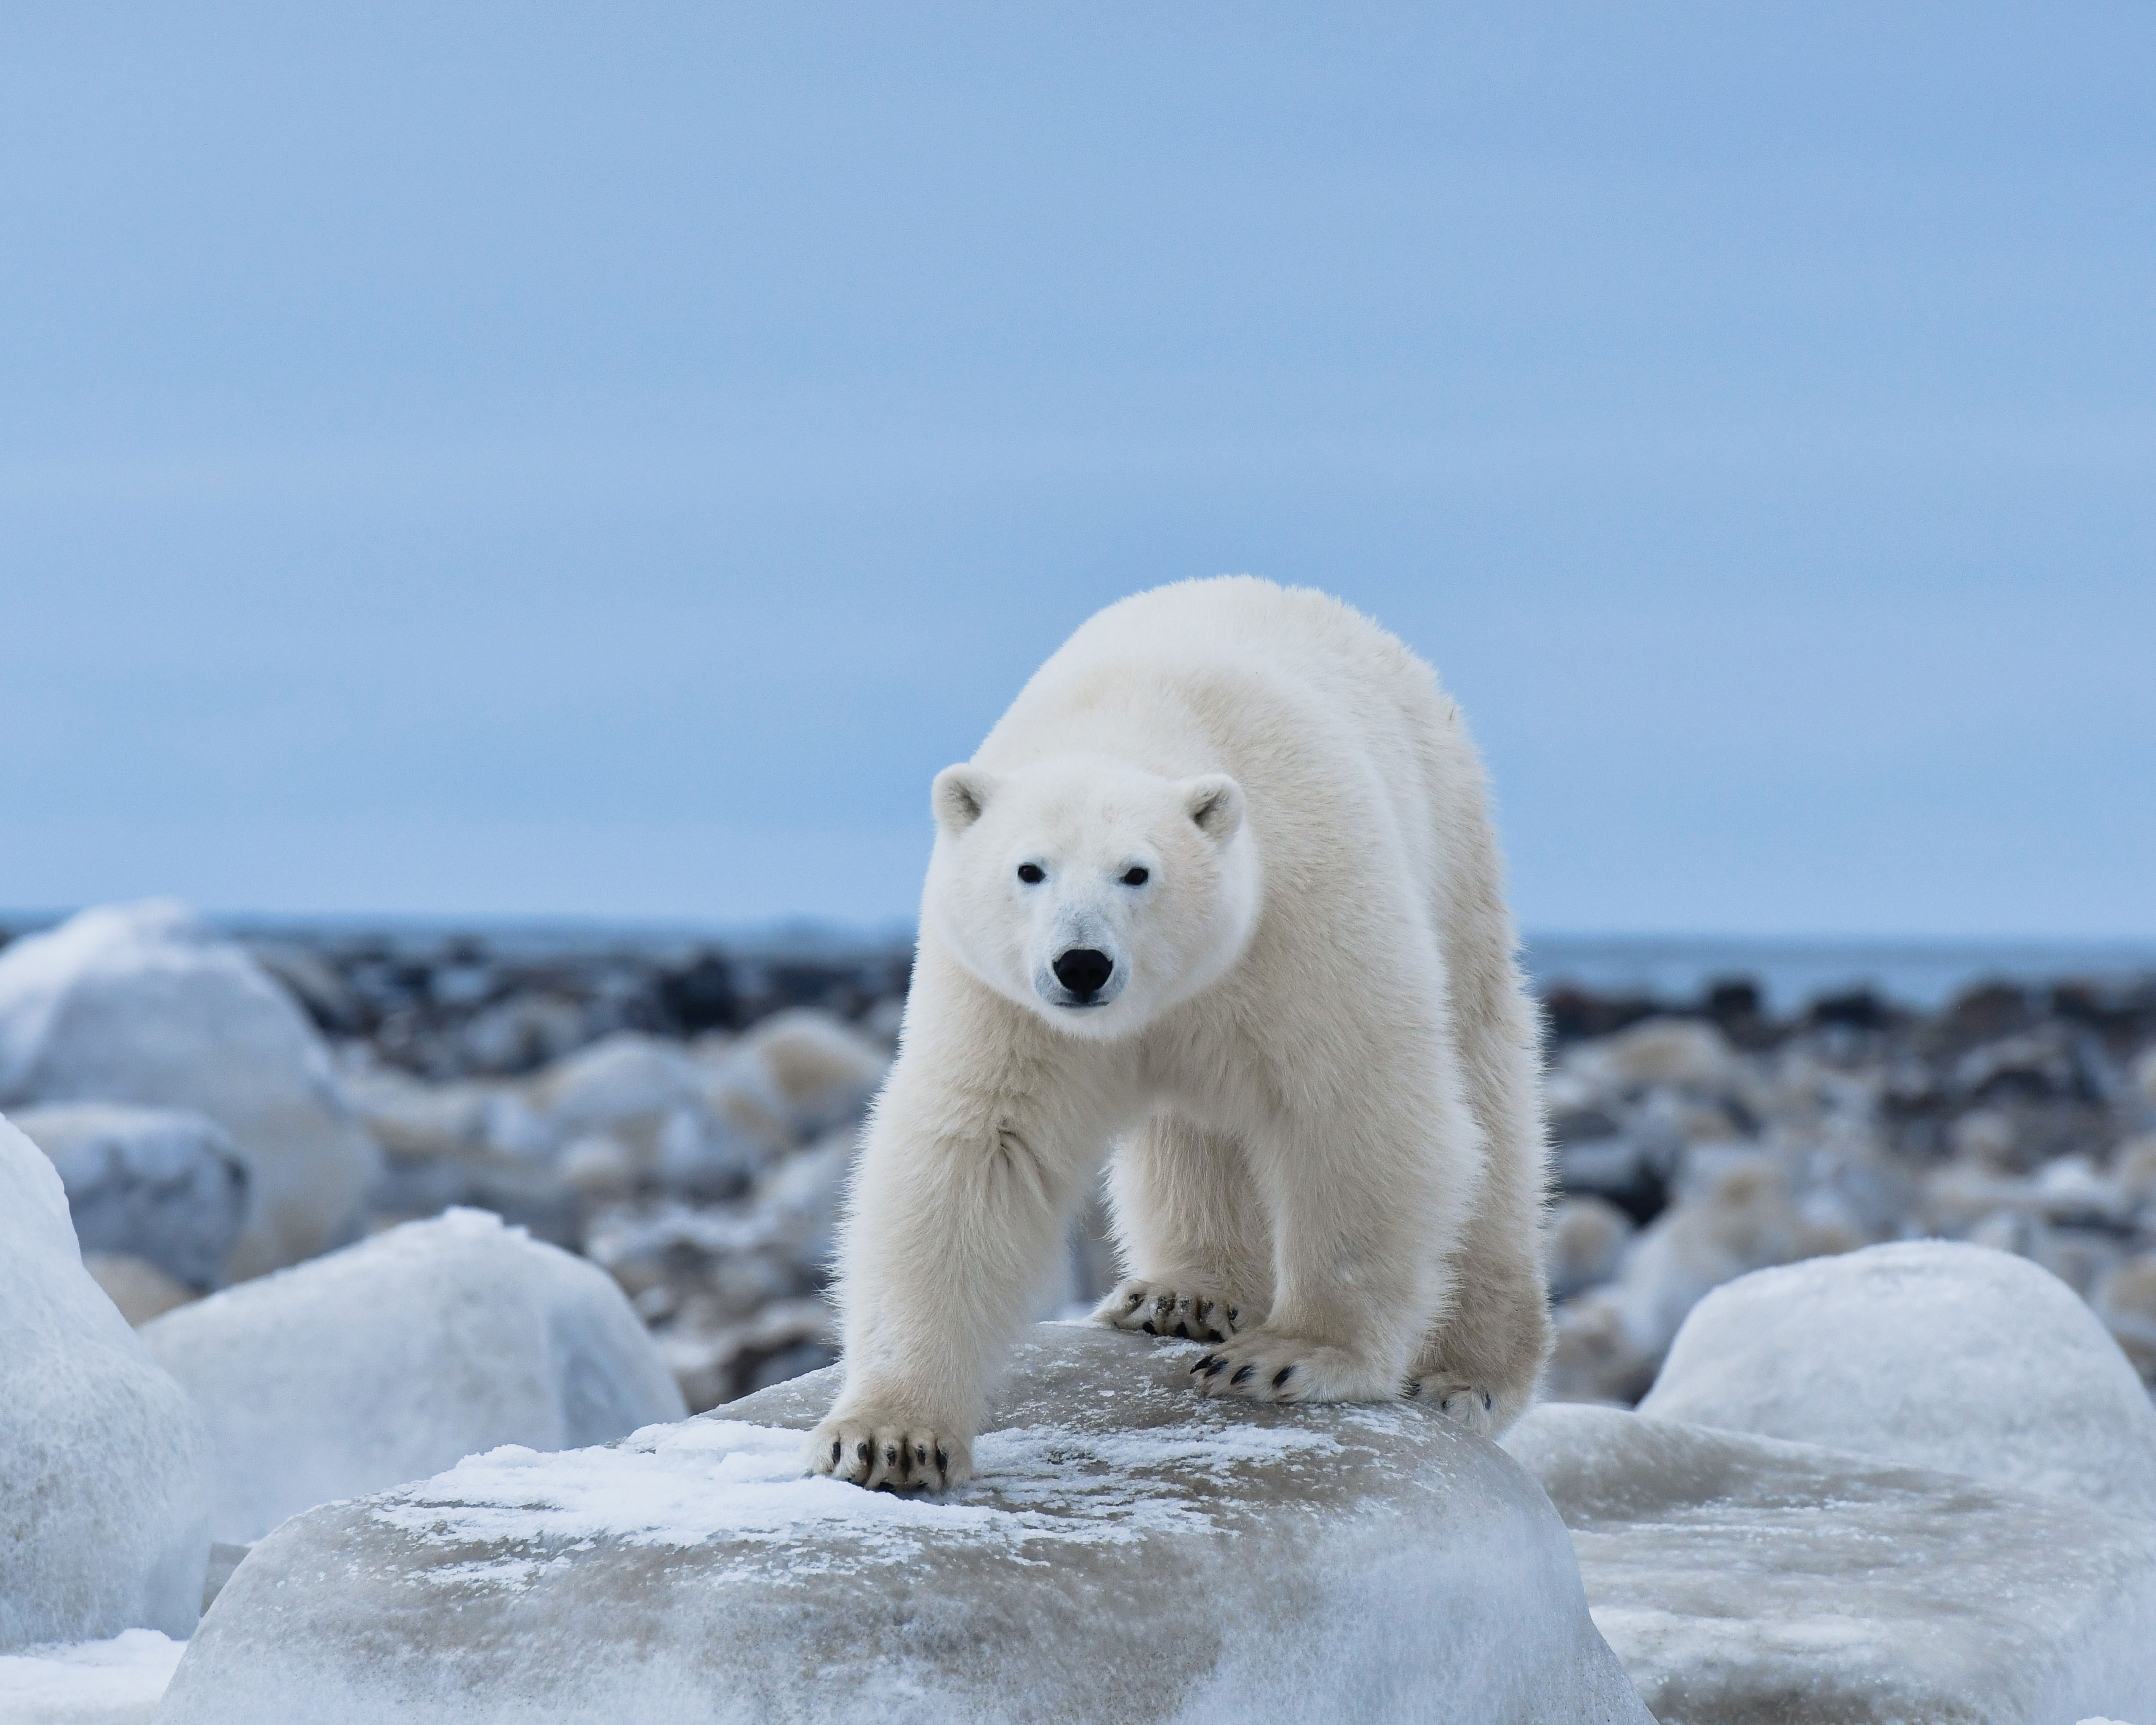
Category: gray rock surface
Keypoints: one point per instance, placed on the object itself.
(165, 1185)
(1743, 1580)
(143, 1003)
(102, 1456)
(1130, 1553)
(389, 1360)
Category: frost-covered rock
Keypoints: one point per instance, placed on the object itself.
(139, 1288)
(1933, 1352)
(1131, 1552)
(164, 1185)
(1740, 1216)
(143, 1004)
(1743, 1580)
(115, 1681)
(101, 1454)
(823, 1071)
(389, 1360)
(1587, 1240)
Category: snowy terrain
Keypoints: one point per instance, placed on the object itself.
(685, 1133)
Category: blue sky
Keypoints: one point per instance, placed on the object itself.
(515, 459)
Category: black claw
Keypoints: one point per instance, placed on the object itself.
(1486, 1401)
(890, 1454)
(1147, 1327)
(1245, 1373)
(1135, 1302)
(943, 1465)
(1213, 1335)
(1414, 1389)
(861, 1451)
(1203, 1360)
(920, 1454)
(1234, 1314)
(1182, 1329)
(1217, 1368)
(835, 1447)
(1282, 1375)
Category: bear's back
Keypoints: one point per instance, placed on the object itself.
(1328, 720)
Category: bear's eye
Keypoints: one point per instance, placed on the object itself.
(1030, 875)
(1137, 877)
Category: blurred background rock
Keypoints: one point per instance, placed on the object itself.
(683, 1111)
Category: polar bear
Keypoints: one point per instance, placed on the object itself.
(1220, 891)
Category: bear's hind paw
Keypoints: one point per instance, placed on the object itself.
(1458, 1401)
(1158, 1309)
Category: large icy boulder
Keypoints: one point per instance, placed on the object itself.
(143, 1004)
(101, 1454)
(164, 1185)
(1131, 1552)
(1743, 1580)
(389, 1360)
(1946, 1355)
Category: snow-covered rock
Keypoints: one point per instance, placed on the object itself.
(1588, 1237)
(143, 1004)
(139, 1288)
(1130, 1553)
(113, 1681)
(1933, 1352)
(389, 1360)
(164, 1185)
(823, 1071)
(102, 1456)
(1743, 1580)
(1740, 1215)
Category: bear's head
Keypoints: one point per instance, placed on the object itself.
(1089, 892)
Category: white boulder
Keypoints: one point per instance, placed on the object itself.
(102, 1457)
(143, 1004)
(1738, 1214)
(1933, 1352)
(1130, 1553)
(1743, 1580)
(389, 1360)
(163, 1185)
(114, 1680)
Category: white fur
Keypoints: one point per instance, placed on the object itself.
(1313, 1058)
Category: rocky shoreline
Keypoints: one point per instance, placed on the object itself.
(683, 1114)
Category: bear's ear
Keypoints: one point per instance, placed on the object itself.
(958, 796)
(1215, 803)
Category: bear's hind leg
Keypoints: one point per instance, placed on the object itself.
(1482, 1362)
(1191, 1233)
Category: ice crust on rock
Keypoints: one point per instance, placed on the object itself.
(164, 1185)
(1745, 1580)
(143, 1003)
(390, 1360)
(1130, 1553)
(102, 1456)
(1935, 1353)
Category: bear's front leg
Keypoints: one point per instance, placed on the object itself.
(954, 1220)
(1366, 1210)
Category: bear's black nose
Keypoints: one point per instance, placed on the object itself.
(1084, 972)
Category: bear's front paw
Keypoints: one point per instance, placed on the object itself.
(1158, 1309)
(1263, 1367)
(1457, 1399)
(888, 1455)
